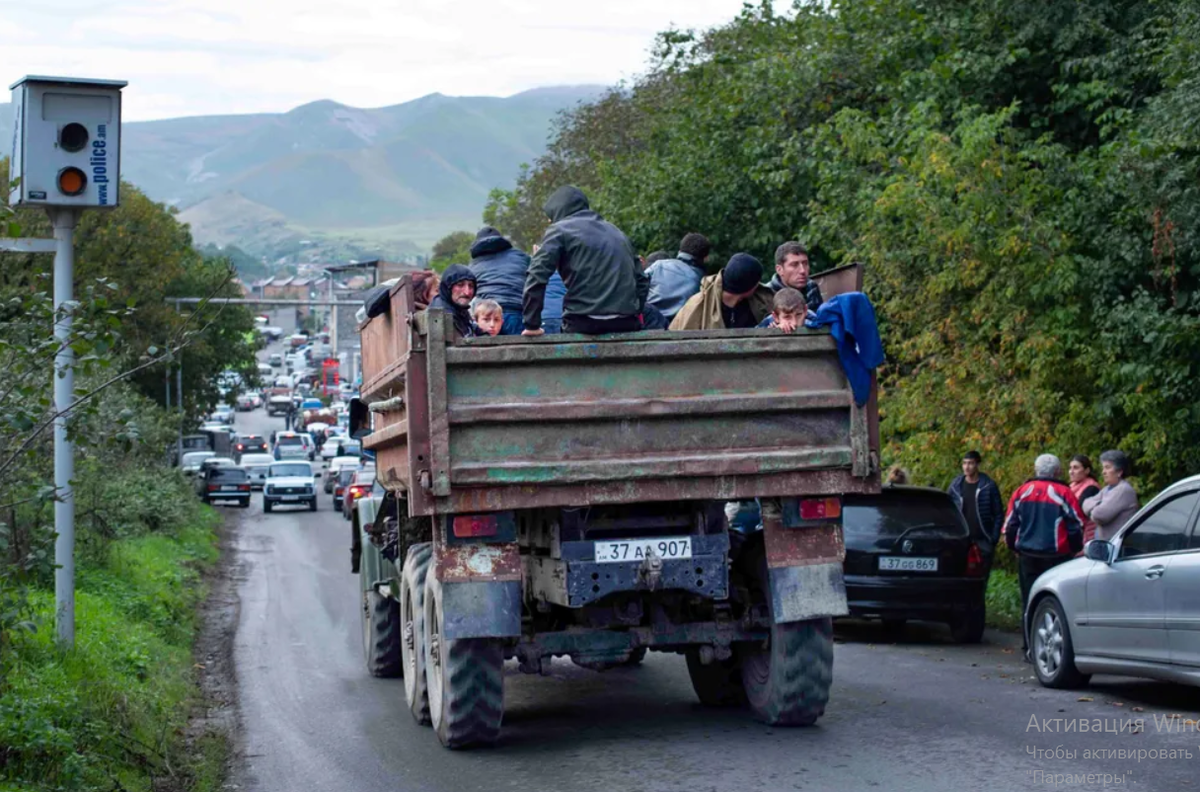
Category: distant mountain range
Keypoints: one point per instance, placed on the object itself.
(330, 179)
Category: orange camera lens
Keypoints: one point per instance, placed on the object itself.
(71, 181)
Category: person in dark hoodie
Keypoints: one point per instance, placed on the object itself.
(454, 296)
(792, 269)
(500, 270)
(606, 287)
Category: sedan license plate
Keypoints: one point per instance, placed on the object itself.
(906, 564)
(639, 549)
(229, 489)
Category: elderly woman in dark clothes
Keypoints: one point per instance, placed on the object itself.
(1116, 502)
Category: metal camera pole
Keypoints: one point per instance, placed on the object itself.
(64, 221)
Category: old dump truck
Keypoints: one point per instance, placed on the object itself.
(565, 496)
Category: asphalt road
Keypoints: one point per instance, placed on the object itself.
(922, 714)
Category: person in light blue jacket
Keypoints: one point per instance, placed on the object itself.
(674, 281)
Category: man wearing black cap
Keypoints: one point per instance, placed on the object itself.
(733, 298)
(500, 270)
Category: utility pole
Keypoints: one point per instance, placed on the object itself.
(65, 158)
(64, 221)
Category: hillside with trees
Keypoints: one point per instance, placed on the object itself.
(1019, 178)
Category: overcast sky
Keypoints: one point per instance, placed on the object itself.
(201, 57)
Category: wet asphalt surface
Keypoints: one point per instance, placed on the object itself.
(920, 714)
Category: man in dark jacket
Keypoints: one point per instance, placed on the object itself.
(1044, 526)
(792, 269)
(673, 281)
(454, 296)
(500, 270)
(606, 287)
(978, 498)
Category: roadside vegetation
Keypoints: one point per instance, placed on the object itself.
(110, 713)
(1019, 178)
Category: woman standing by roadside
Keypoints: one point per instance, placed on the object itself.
(1083, 486)
(1112, 507)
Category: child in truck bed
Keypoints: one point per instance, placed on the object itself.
(489, 316)
(788, 311)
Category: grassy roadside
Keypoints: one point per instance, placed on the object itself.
(112, 713)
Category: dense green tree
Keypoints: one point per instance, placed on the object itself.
(1019, 177)
(454, 248)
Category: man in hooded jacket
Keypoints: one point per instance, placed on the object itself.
(457, 302)
(500, 271)
(606, 287)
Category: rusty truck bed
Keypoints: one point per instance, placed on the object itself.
(489, 424)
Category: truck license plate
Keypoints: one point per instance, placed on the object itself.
(905, 564)
(639, 549)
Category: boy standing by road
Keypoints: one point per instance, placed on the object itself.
(978, 498)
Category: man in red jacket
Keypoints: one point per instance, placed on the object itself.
(1043, 526)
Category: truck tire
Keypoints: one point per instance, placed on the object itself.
(718, 684)
(788, 676)
(381, 634)
(465, 678)
(412, 629)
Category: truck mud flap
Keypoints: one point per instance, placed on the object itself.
(804, 564)
(481, 590)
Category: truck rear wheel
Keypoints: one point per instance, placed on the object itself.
(465, 679)
(412, 627)
(381, 634)
(788, 676)
(718, 684)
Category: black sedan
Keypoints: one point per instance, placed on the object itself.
(911, 555)
(224, 483)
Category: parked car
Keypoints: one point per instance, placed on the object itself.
(224, 483)
(911, 555)
(217, 461)
(339, 464)
(192, 459)
(360, 484)
(341, 479)
(222, 414)
(1130, 606)
(275, 360)
(290, 484)
(249, 444)
(256, 465)
(292, 445)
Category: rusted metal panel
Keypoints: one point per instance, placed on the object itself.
(840, 280)
(420, 499)
(477, 562)
(385, 342)
(787, 547)
(511, 423)
(439, 416)
(470, 500)
(622, 409)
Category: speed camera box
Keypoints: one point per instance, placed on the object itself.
(66, 147)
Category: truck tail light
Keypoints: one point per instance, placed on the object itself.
(469, 525)
(820, 508)
(975, 566)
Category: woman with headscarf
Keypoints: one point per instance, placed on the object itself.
(1116, 503)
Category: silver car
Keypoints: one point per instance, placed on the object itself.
(1129, 607)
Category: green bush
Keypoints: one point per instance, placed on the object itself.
(109, 713)
(1003, 600)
